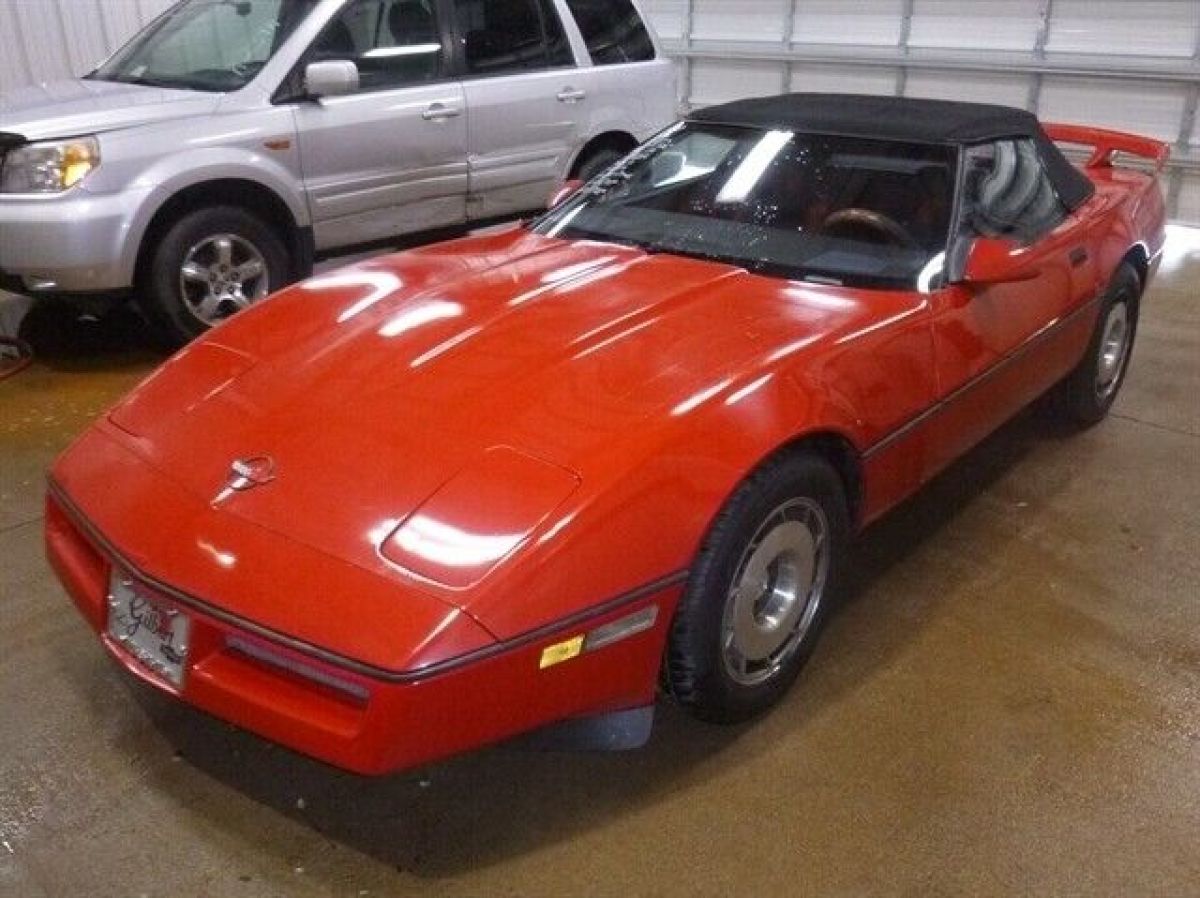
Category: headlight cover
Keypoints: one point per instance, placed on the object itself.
(479, 518)
(51, 166)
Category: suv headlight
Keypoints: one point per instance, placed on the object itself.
(50, 166)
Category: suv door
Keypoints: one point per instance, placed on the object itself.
(631, 86)
(392, 157)
(528, 108)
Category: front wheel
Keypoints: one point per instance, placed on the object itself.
(1086, 395)
(759, 592)
(211, 264)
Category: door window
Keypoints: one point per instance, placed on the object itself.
(394, 43)
(613, 30)
(504, 36)
(1008, 193)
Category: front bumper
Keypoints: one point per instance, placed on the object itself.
(363, 722)
(76, 242)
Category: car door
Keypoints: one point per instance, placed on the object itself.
(527, 106)
(631, 86)
(999, 346)
(391, 157)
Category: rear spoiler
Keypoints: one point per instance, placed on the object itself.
(1105, 143)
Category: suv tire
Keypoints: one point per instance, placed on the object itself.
(597, 161)
(209, 264)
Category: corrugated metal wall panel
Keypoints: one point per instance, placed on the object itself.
(1164, 28)
(718, 81)
(956, 24)
(42, 40)
(843, 78)
(739, 20)
(974, 87)
(877, 22)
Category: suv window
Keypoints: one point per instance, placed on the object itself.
(1008, 193)
(502, 36)
(394, 43)
(613, 30)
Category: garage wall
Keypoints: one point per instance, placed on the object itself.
(1127, 64)
(41, 40)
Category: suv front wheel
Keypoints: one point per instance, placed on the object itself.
(210, 264)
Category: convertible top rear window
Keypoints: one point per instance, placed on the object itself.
(846, 210)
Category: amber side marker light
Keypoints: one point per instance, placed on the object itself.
(614, 631)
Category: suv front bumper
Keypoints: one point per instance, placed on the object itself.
(76, 242)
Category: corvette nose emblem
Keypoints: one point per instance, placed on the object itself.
(246, 474)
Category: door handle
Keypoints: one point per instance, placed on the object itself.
(571, 95)
(1078, 256)
(437, 112)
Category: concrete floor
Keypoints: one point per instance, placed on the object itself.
(1008, 703)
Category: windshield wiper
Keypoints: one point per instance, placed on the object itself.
(585, 234)
(169, 83)
(658, 249)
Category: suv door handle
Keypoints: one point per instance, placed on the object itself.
(437, 112)
(571, 95)
(1078, 256)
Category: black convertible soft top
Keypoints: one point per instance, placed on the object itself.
(907, 119)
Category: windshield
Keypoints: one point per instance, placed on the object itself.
(871, 213)
(214, 45)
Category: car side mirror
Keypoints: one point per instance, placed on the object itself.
(332, 78)
(993, 260)
(564, 193)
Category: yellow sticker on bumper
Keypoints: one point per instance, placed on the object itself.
(561, 651)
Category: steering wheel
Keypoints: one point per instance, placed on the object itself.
(852, 221)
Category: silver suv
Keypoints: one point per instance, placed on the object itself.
(206, 163)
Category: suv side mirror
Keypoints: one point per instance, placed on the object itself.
(992, 260)
(564, 193)
(333, 78)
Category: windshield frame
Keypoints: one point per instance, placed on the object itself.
(555, 222)
(111, 68)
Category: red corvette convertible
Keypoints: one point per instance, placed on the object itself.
(444, 497)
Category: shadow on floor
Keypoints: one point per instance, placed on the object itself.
(68, 337)
(476, 810)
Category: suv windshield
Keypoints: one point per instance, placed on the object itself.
(868, 213)
(214, 45)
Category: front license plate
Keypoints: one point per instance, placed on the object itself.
(152, 632)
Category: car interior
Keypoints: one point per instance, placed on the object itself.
(396, 42)
(1008, 192)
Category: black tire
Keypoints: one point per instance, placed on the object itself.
(698, 671)
(159, 290)
(596, 161)
(1085, 396)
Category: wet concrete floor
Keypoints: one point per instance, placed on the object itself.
(1008, 703)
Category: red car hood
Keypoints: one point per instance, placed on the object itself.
(372, 387)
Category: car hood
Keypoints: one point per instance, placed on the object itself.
(75, 107)
(370, 388)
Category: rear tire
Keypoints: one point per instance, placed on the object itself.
(596, 162)
(210, 263)
(1086, 395)
(759, 591)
